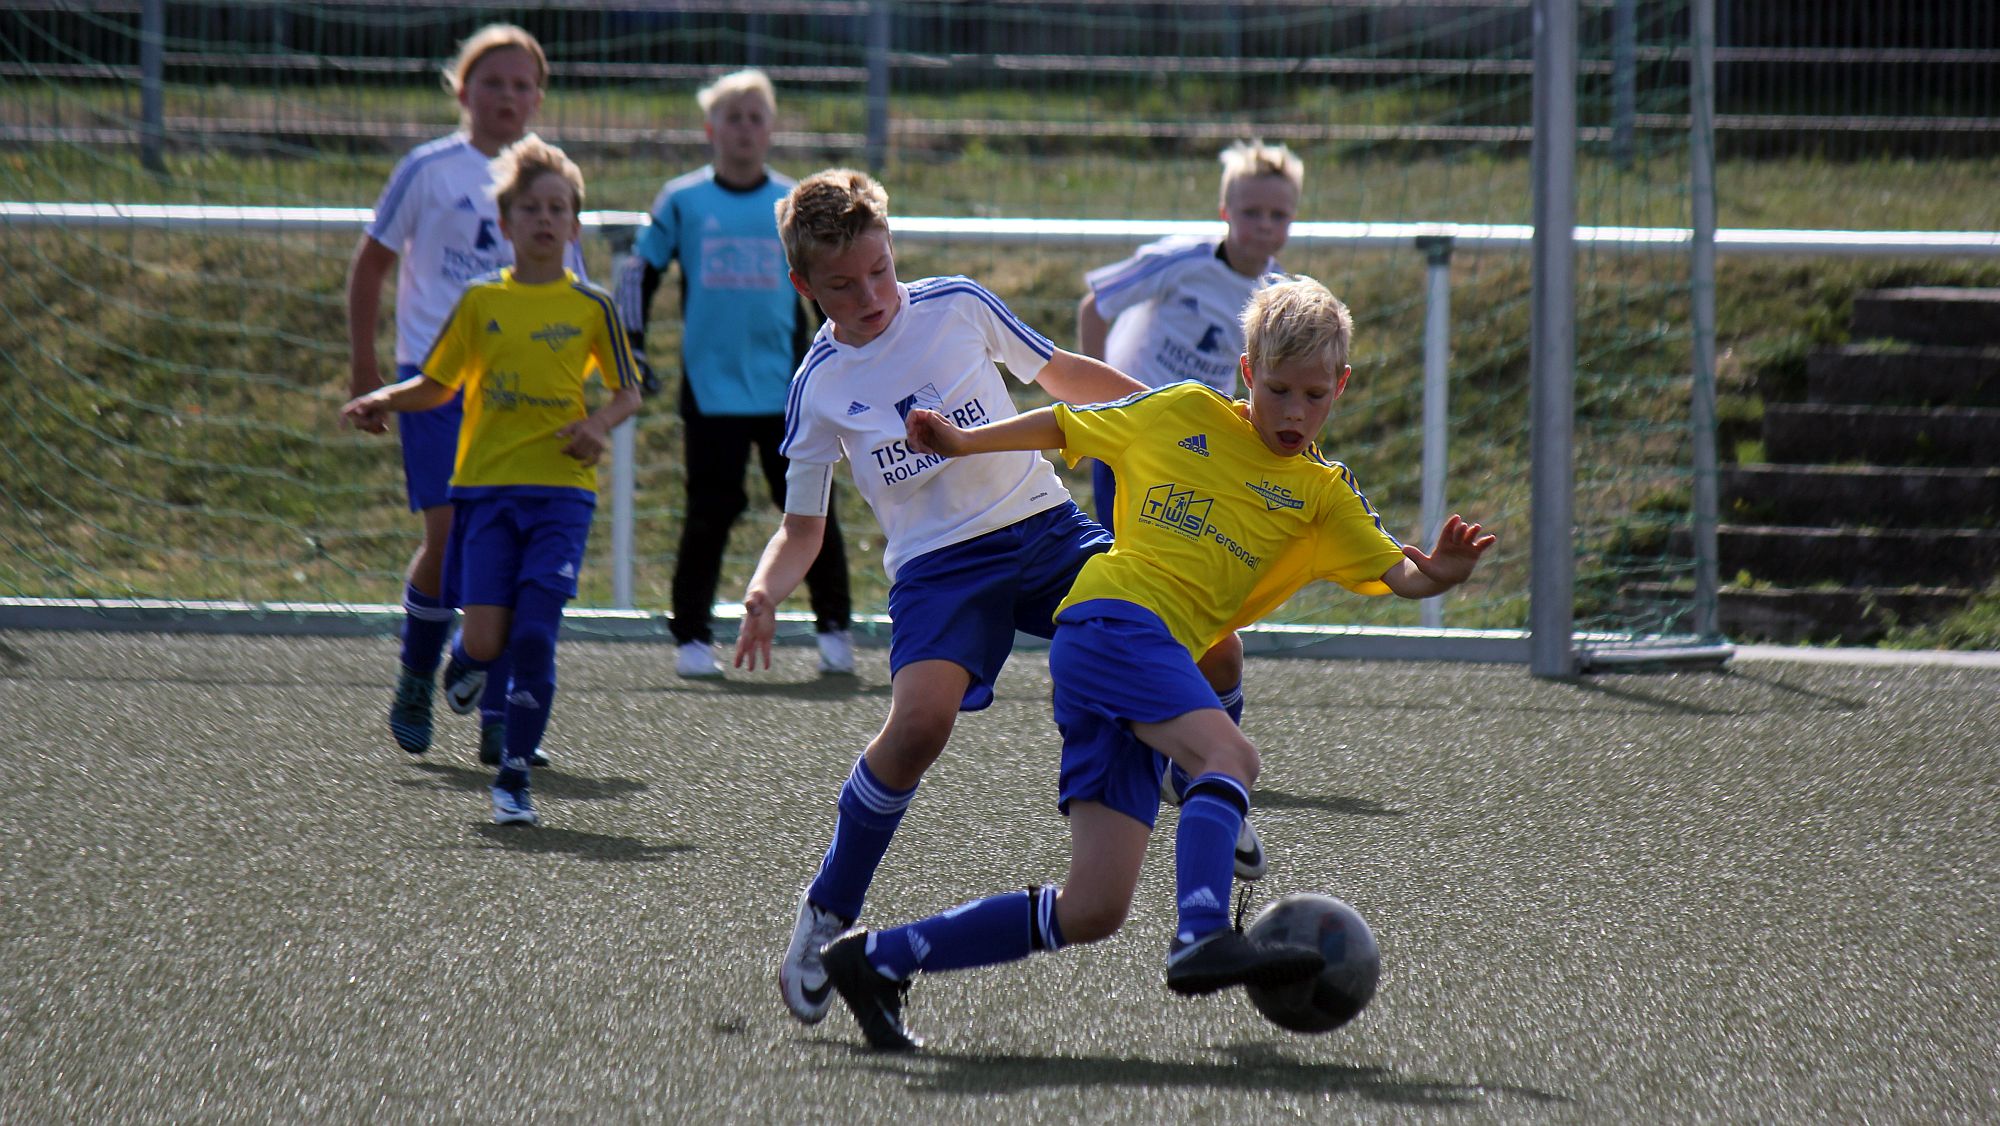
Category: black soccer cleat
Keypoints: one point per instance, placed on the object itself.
(1224, 958)
(875, 1000)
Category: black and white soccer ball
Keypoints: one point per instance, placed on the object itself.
(1353, 962)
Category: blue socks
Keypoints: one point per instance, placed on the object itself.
(869, 814)
(427, 622)
(1205, 853)
(986, 932)
(1232, 704)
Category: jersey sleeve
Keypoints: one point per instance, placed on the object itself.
(609, 346)
(446, 363)
(657, 238)
(1135, 280)
(1008, 338)
(396, 209)
(808, 436)
(1353, 548)
(1104, 430)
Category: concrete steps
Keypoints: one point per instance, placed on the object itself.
(1879, 502)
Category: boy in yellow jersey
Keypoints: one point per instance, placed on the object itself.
(522, 343)
(1228, 509)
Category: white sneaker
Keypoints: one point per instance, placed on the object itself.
(1251, 864)
(802, 976)
(836, 652)
(696, 661)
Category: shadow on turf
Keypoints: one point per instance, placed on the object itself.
(550, 781)
(1259, 1067)
(1353, 807)
(583, 846)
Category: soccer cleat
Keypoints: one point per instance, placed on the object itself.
(462, 685)
(875, 1000)
(801, 977)
(696, 661)
(836, 653)
(512, 807)
(410, 714)
(493, 745)
(1251, 863)
(1225, 957)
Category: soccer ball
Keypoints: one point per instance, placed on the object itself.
(1353, 962)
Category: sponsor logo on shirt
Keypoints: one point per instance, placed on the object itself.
(556, 335)
(1170, 506)
(501, 391)
(1195, 443)
(1275, 496)
(898, 462)
(926, 397)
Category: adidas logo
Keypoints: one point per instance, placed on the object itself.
(855, 408)
(1195, 443)
(1201, 897)
(464, 204)
(567, 570)
(711, 224)
(492, 326)
(522, 698)
(919, 947)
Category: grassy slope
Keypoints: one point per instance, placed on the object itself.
(165, 451)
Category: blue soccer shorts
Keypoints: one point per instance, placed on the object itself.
(430, 447)
(963, 603)
(501, 543)
(1114, 664)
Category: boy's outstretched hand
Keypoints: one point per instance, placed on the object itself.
(1459, 546)
(928, 432)
(366, 413)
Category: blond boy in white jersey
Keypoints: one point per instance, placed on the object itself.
(975, 551)
(1219, 530)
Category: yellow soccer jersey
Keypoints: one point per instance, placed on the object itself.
(1215, 530)
(522, 353)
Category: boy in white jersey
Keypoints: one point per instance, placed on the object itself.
(1217, 533)
(1174, 309)
(522, 342)
(437, 225)
(974, 551)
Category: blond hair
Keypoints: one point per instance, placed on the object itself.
(825, 212)
(521, 163)
(1246, 160)
(493, 37)
(734, 85)
(1296, 318)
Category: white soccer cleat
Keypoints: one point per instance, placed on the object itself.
(1250, 862)
(836, 653)
(696, 661)
(802, 976)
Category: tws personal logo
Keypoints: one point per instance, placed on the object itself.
(556, 335)
(1275, 496)
(926, 397)
(1176, 508)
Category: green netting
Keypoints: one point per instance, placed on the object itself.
(169, 431)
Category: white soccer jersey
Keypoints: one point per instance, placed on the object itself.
(1176, 310)
(938, 352)
(438, 214)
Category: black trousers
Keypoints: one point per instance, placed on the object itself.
(718, 452)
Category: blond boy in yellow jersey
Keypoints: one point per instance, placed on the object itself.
(1229, 509)
(522, 343)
